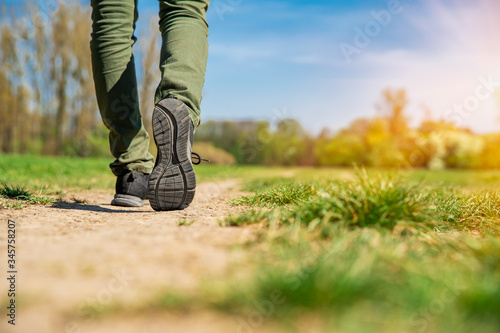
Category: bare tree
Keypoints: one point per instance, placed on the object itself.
(392, 108)
(10, 73)
(151, 73)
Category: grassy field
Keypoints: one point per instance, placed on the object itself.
(379, 252)
(52, 174)
(337, 250)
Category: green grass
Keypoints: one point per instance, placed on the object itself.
(364, 280)
(279, 195)
(477, 180)
(480, 212)
(19, 196)
(57, 174)
(360, 280)
(336, 250)
(186, 223)
(375, 253)
(13, 192)
(79, 201)
(54, 174)
(377, 200)
(367, 201)
(9, 204)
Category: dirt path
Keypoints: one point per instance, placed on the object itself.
(80, 257)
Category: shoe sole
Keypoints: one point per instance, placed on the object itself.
(126, 200)
(173, 181)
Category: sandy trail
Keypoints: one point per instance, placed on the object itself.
(73, 258)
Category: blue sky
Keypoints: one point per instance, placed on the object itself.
(271, 59)
(275, 59)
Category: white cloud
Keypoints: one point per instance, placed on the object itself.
(455, 48)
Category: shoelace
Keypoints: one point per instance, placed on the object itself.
(196, 159)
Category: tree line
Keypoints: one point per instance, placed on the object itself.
(385, 140)
(47, 98)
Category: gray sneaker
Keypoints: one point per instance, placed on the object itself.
(172, 183)
(131, 188)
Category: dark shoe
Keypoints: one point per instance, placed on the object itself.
(131, 189)
(173, 182)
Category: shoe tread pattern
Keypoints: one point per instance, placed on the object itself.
(172, 183)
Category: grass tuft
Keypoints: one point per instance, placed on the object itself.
(362, 279)
(22, 194)
(480, 212)
(261, 184)
(375, 201)
(14, 192)
(186, 223)
(382, 201)
(79, 201)
(11, 204)
(276, 196)
(42, 200)
(247, 218)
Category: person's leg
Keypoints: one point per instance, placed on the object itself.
(184, 52)
(113, 24)
(178, 97)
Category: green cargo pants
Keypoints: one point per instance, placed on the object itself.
(183, 63)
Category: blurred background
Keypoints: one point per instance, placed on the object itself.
(412, 84)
